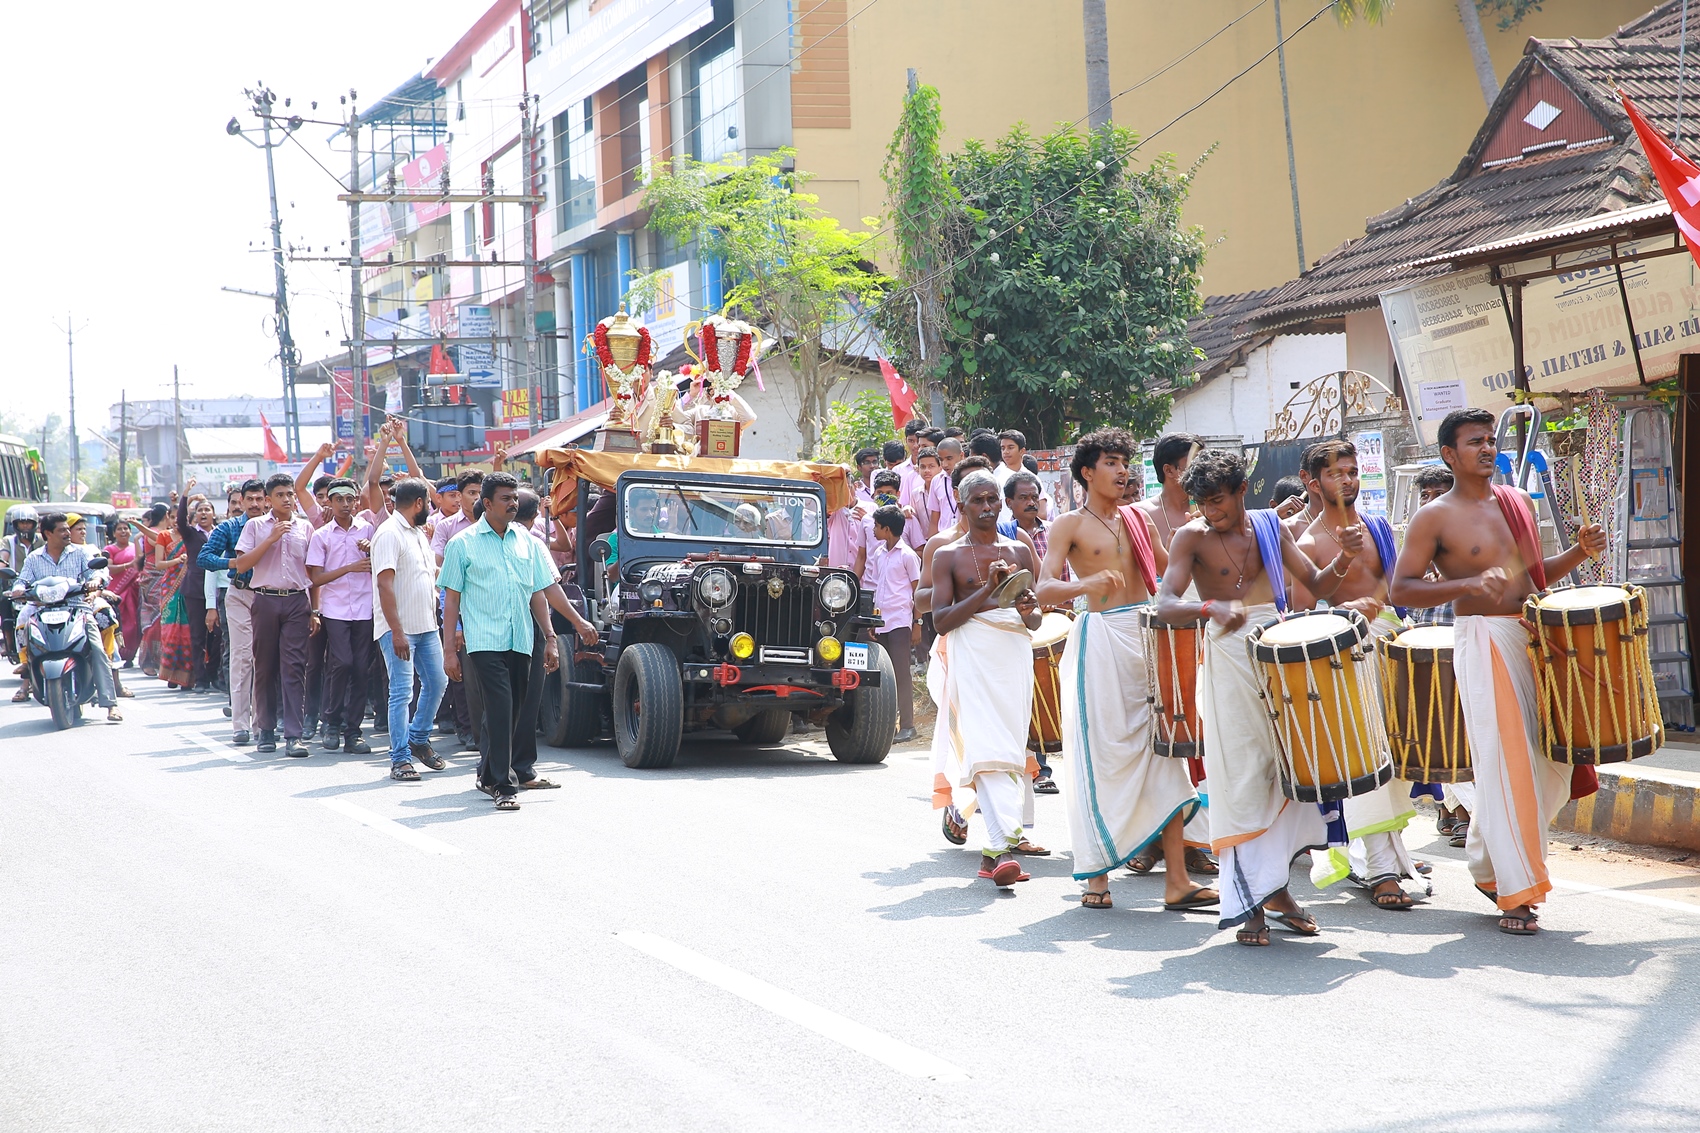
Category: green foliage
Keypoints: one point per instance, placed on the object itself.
(792, 269)
(922, 198)
(1067, 285)
(1509, 12)
(1371, 11)
(862, 422)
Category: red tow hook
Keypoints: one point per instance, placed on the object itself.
(846, 679)
(728, 674)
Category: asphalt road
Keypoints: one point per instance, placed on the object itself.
(196, 937)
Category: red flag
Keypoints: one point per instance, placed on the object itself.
(272, 450)
(902, 397)
(1678, 176)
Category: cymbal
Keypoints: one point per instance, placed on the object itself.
(1010, 590)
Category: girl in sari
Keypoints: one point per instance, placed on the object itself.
(124, 562)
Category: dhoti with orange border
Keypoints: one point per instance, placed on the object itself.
(1518, 790)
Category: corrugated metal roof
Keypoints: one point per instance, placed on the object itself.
(1539, 193)
(1630, 218)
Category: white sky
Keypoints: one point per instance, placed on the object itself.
(128, 205)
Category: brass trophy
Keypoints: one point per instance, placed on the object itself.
(663, 441)
(622, 348)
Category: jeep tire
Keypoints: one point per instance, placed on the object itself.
(769, 726)
(572, 717)
(862, 731)
(649, 705)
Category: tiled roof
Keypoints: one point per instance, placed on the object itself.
(1218, 330)
(1479, 204)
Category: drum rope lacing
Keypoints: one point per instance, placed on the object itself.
(1170, 716)
(1449, 732)
(1639, 717)
(1353, 700)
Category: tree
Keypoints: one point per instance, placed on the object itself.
(921, 200)
(1472, 21)
(1067, 284)
(793, 270)
(862, 422)
(1096, 25)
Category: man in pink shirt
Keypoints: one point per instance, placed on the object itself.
(338, 566)
(467, 484)
(927, 469)
(894, 571)
(274, 547)
(942, 508)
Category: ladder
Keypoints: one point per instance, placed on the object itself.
(1526, 462)
(1647, 552)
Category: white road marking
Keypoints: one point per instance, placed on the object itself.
(898, 1055)
(391, 827)
(223, 751)
(1604, 891)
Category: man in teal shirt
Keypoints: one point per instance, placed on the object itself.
(493, 577)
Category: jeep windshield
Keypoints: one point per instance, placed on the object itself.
(717, 514)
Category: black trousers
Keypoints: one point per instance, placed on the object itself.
(195, 609)
(348, 673)
(315, 678)
(501, 678)
(282, 627)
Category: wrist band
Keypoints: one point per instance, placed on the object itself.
(1204, 610)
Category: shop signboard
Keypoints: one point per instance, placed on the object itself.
(478, 363)
(1372, 473)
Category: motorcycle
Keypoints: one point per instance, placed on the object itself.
(59, 631)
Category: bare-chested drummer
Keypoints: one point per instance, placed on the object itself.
(1256, 831)
(1467, 534)
(1169, 510)
(987, 688)
(1122, 797)
(1375, 822)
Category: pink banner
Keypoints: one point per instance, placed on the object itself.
(424, 175)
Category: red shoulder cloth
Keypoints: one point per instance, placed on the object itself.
(1522, 525)
(1584, 780)
(1143, 556)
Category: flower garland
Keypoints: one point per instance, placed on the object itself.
(710, 348)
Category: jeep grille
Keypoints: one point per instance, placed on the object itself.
(786, 620)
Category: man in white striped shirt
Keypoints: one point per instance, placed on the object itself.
(404, 601)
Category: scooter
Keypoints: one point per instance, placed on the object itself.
(63, 640)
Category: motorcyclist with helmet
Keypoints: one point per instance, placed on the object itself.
(59, 557)
(14, 549)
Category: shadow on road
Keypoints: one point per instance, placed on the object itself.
(717, 756)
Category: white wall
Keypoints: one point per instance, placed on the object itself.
(1245, 399)
(774, 435)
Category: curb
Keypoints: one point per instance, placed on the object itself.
(1647, 808)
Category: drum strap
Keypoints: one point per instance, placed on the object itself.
(1266, 530)
(1143, 556)
(1381, 534)
(1522, 526)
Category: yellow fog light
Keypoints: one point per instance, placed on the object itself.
(830, 649)
(742, 645)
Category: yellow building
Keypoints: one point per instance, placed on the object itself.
(1380, 113)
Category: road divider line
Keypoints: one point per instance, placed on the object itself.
(1605, 891)
(223, 751)
(900, 1056)
(391, 827)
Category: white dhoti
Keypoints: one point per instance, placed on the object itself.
(984, 693)
(1120, 793)
(1374, 822)
(1518, 790)
(1256, 830)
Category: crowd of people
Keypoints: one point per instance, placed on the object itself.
(317, 597)
(1194, 553)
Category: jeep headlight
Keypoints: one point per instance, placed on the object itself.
(651, 590)
(742, 646)
(716, 587)
(836, 594)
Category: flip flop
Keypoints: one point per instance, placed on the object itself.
(1301, 924)
(1396, 901)
(1490, 894)
(1005, 874)
(1026, 847)
(1253, 937)
(1521, 925)
(1194, 900)
(955, 829)
(1142, 863)
(1092, 900)
(539, 785)
(1199, 862)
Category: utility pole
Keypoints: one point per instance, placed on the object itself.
(1287, 116)
(176, 431)
(288, 357)
(71, 376)
(356, 300)
(533, 383)
(123, 432)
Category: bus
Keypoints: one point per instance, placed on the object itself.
(23, 480)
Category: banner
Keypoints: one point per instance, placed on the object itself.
(1453, 339)
(671, 314)
(478, 363)
(424, 175)
(1372, 474)
(516, 405)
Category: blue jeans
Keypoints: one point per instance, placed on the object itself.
(426, 657)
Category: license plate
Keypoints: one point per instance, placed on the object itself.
(55, 617)
(858, 657)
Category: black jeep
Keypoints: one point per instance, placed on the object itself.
(715, 612)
